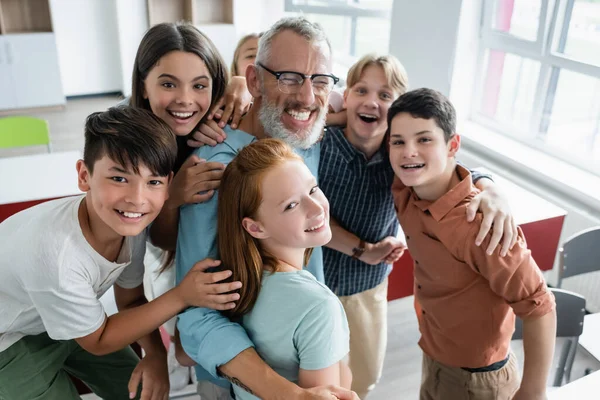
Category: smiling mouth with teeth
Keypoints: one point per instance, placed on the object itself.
(314, 228)
(412, 166)
(299, 115)
(182, 115)
(368, 118)
(128, 214)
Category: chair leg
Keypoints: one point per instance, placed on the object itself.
(562, 362)
(571, 359)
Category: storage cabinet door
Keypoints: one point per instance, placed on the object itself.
(7, 90)
(35, 70)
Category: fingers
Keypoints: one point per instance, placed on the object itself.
(205, 264)
(203, 172)
(216, 108)
(227, 113)
(191, 161)
(214, 277)
(147, 391)
(472, 208)
(497, 233)
(509, 238)
(134, 382)
(486, 225)
(203, 197)
(343, 394)
(218, 288)
(515, 230)
(237, 115)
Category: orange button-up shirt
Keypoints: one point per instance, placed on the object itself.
(468, 299)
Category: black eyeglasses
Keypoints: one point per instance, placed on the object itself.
(290, 82)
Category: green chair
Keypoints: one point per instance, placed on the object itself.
(23, 131)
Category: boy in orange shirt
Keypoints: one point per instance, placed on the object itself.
(468, 299)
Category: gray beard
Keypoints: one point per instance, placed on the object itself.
(269, 116)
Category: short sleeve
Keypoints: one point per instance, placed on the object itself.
(133, 274)
(322, 337)
(70, 307)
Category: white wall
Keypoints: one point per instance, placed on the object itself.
(132, 22)
(423, 37)
(87, 44)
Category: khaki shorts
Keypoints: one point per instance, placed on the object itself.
(441, 382)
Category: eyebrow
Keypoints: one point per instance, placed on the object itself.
(416, 134)
(386, 86)
(176, 79)
(313, 181)
(121, 170)
(251, 48)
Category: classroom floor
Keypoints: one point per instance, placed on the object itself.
(402, 371)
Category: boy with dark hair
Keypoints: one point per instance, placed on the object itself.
(59, 257)
(466, 299)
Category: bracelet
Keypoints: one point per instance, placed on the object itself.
(358, 251)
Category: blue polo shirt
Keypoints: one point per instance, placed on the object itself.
(207, 336)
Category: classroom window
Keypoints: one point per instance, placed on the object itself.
(539, 75)
(354, 27)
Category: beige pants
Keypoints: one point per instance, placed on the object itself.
(367, 320)
(440, 382)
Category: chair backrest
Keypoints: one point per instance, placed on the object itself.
(570, 311)
(580, 254)
(23, 131)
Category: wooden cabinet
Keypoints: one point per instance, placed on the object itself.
(29, 72)
(197, 12)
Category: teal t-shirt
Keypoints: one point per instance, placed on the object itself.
(207, 336)
(296, 323)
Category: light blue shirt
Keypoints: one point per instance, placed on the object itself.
(296, 323)
(207, 336)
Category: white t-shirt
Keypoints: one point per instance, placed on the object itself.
(51, 278)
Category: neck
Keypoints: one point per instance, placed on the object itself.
(366, 146)
(251, 124)
(100, 236)
(290, 259)
(440, 185)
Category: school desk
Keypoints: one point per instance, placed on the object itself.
(540, 220)
(584, 388)
(30, 180)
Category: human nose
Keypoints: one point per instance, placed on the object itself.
(306, 94)
(409, 150)
(136, 195)
(184, 96)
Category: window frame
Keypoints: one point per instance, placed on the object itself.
(353, 9)
(551, 35)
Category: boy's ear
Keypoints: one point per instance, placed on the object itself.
(453, 145)
(254, 228)
(252, 81)
(83, 176)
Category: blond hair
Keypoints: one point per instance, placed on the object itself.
(236, 54)
(392, 68)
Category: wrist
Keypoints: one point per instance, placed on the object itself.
(359, 249)
(178, 298)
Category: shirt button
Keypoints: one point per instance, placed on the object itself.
(423, 312)
(417, 262)
(418, 286)
(407, 237)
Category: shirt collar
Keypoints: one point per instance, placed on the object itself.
(348, 151)
(442, 206)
